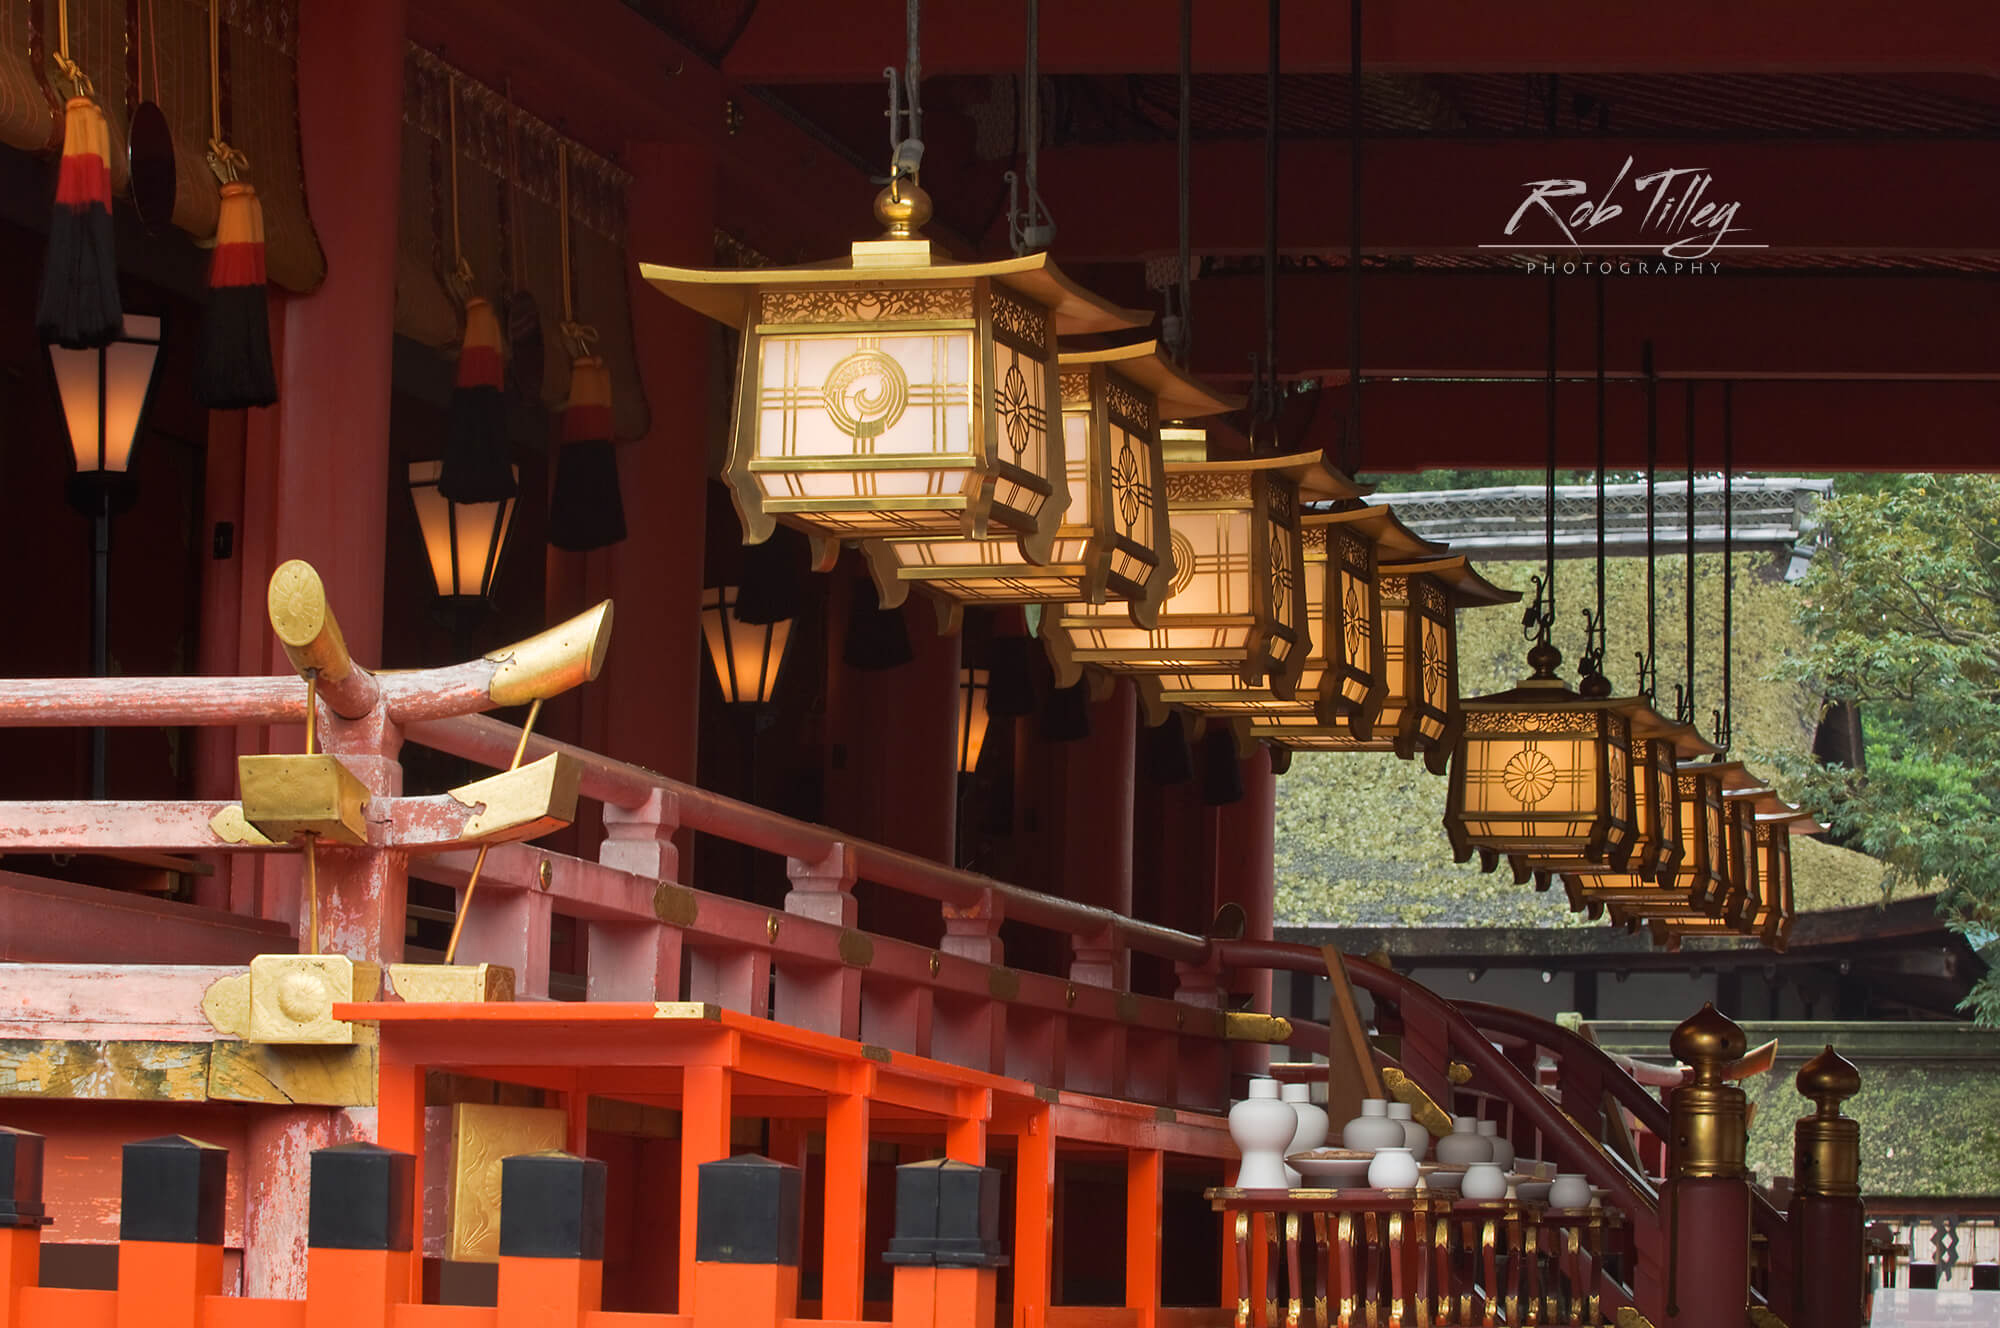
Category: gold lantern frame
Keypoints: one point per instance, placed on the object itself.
(931, 371)
(1344, 676)
(1239, 574)
(1761, 827)
(1114, 540)
(1541, 772)
(1420, 713)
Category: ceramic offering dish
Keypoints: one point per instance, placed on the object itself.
(1336, 1167)
(1528, 1189)
(1442, 1177)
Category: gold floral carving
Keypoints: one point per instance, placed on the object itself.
(864, 306)
(1207, 488)
(1530, 721)
(1075, 387)
(1023, 322)
(1127, 404)
(481, 1138)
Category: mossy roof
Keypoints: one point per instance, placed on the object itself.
(1360, 841)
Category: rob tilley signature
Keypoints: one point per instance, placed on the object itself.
(1676, 221)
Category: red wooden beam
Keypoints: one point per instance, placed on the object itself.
(1480, 324)
(818, 41)
(1783, 426)
(1456, 195)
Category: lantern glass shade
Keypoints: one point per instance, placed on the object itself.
(464, 540)
(897, 392)
(972, 718)
(1112, 538)
(1236, 602)
(1541, 773)
(1419, 644)
(1698, 883)
(746, 656)
(1760, 867)
(104, 394)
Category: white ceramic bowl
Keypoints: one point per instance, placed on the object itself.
(1444, 1178)
(1530, 1191)
(1337, 1168)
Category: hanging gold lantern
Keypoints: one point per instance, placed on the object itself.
(1761, 826)
(896, 391)
(1236, 602)
(1658, 749)
(1345, 675)
(1113, 541)
(1420, 711)
(1658, 746)
(1542, 773)
(1698, 885)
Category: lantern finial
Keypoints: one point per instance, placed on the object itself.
(903, 208)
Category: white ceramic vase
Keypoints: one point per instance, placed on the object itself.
(1464, 1145)
(1503, 1148)
(1372, 1129)
(1313, 1125)
(1571, 1190)
(1261, 1126)
(1484, 1180)
(1415, 1137)
(1393, 1169)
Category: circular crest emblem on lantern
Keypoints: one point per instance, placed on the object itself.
(1529, 776)
(1183, 565)
(866, 394)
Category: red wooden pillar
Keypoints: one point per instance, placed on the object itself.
(892, 766)
(1090, 802)
(329, 504)
(1245, 842)
(644, 706)
(1827, 1281)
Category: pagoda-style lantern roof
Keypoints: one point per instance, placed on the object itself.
(1236, 601)
(1698, 884)
(896, 391)
(1761, 829)
(1113, 541)
(1342, 551)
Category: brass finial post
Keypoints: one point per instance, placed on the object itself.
(1828, 1283)
(1707, 1199)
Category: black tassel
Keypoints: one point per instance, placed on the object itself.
(476, 468)
(235, 371)
(586, 510)
(79, 307)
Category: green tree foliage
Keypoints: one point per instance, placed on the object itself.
(1901, 615)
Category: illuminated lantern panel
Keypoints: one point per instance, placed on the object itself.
(972, 718)
(1657, 747)
(896, 391)
(1761, 828)
(1419, 643)
(1236, 602)
(1698, 885)
(1541, 772)
(1113, 540)
(1348, 625)
(464, 541)
(1656, 852)
(746, 656)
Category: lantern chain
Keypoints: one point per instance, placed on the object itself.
(1725, 717)
(1649, 678)
(1684, 691)
(1538, 621)
(906, 104)
(1592, 663)
(1178, 326)
(1351, 450)
(1267, 394)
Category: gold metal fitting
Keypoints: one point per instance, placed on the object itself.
(552, 661)
(1709, 1120)
(1826, 1146)
(903, 208)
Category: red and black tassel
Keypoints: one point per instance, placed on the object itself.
(235, 368)
(586, 510)
(476, 467)
(79, 307)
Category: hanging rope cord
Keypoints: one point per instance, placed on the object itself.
(80, 83)
(582, 337)
(1352, 448)
(227, 161)
(1269, 374)
(1594, 624)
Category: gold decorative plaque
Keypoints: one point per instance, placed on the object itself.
(481, 1138)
